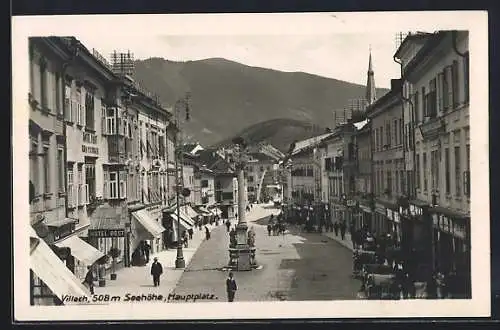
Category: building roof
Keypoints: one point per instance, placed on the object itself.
(361, 124)
(309, 143)
(213, 161)
(429, 45)
(395, 91)
(410, 37)
(262, 157)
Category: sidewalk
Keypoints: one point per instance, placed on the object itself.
(137, 280)
(347, 242)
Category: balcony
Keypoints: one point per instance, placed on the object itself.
(432, 128)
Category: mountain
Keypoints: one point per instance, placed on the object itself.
(229, 98)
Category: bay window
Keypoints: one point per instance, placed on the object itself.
(90, 179)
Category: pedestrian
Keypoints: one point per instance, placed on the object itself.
(228, 225)
(207, 233)
(269, 229)
(156, 271)
(336, 228)
(236, 216)
(89, 279)
(342, 230)
(231, 287)
(190, 232)
(147, 249)
(185, 239)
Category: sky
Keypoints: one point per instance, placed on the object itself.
(334, 45)
(342, 56)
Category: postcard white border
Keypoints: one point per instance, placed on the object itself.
(259, 24)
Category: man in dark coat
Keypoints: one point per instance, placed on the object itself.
(89, 280)
(231, 287)
(336, 228)
(156, 271)
(342, 230)
(228, 225)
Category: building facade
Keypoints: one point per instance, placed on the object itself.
(388, 173)
(439, 77)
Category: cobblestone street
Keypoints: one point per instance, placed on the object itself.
(299, 266)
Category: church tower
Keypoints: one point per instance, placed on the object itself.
(371, 94)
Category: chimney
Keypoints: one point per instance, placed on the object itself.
(395, 85)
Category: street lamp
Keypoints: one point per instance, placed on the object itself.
(180, 104)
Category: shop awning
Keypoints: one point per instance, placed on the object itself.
(184, 223)
(191, 212)
(203, 211)
(60, 223)
(52, 271)
(153, 227)
(216, 211)
(450, 213)
(81, 250)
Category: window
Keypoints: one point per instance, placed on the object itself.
(46, 169)
(113, 185)
(204, 183)
(89, 110)
(67, 103)
(431, 100)
(466, 77)
(110, 121)
(389, 182)
(395, 128)
(435, 166)
(43, 84)
(34, 165)
(90, 179)
(467, 172)
(447, 88)
(416, 104)
(123, 184)
(58, 95)
(424, 169)
(60, 169)
(424, 103)
(396, 181)
(440, 91)
(388, 134)
(410, 133)
(457, 171)
(80, 113)
(402, 182)
(401, 126)
(83, 191)
(71, 186)
(381, 135)
(447, 170)
(454, 81)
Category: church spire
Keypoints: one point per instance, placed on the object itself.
(371, 94)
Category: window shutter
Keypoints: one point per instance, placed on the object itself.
(455, 91)
(123, 184)
(449, 87)
(439, 89)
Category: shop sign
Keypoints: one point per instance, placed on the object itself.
(403, 211)
(415, 210)
(107, 232)
(379, 208)
(365, 209)
(351, 203)
(445, 223)
(396, 217)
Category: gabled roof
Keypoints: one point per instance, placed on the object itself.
(260, 156)
(213, 161)
(361, 124)
(309, 143)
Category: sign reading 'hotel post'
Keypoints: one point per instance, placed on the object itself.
(107, 232)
